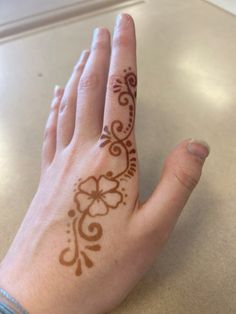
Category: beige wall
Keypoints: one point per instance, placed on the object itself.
(12, 10)
(17, 17)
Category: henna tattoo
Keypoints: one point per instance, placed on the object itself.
(95, 197)
(117, 136)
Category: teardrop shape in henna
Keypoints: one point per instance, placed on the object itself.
(124, 98)
(78, 271)
(87, 260)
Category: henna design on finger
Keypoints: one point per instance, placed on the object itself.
(117, 136)
(96, 196)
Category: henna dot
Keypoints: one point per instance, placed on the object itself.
(130, 68)
(124, 203)
(128, 143)
(123, 189)
(130, 120)
(125, 71)
(69, 240)
(131, 108)
(109, 173)
(126, 195)
(71, 213)
(68, 231)
(129, 125)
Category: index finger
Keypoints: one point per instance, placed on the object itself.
(122, 72)
(119, 112)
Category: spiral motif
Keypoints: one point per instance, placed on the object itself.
(115, 148)
(116, 126)
(94, 228)
(124, 98)
(131, 79)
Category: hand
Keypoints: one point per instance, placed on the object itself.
(86, 241)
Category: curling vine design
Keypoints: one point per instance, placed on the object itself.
(96, 196)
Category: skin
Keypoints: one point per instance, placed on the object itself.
(35, 269)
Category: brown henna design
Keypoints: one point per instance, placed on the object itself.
(117, 136)
(95, 197)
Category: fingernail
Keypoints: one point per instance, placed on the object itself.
(83, 58)
(101, 34)
(96, 33)
(123, 19)
(84, 55)
(198, 148)
(57, 91)
(118, 19)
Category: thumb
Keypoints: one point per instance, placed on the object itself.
(181, 173)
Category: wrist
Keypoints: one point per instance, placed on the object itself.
(8, 304)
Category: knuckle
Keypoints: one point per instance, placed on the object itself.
(186, 178)
(186, 171)
(98, 165)
(88, 81)
(104, 161)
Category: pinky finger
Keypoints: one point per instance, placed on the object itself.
(50, 133)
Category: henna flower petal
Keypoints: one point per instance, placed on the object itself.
(98, 208)
(106, 185)
(84, 201)
(112, 199)
(88, 186)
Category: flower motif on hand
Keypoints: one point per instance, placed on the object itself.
(97, 196)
